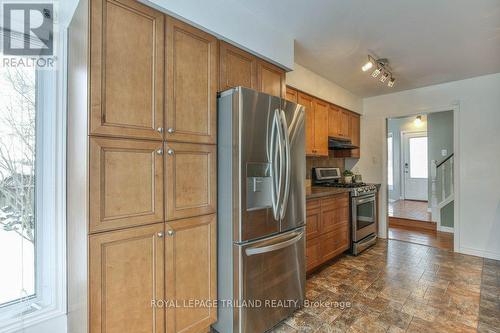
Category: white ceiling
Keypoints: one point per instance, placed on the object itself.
(427, 41)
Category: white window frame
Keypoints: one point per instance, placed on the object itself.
(50, 258)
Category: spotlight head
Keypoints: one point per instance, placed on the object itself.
(367, 66)
(391, 82)
(384, 77)
(376, 72)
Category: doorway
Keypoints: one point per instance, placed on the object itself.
(415, 166)
(412, 146)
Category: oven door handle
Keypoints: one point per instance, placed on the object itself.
(364, 200)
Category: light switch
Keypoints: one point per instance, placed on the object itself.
(444, 152)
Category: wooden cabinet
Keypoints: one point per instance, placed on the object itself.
(270, 79)
(327, 229)
(237, 67)
(355, 134)
(240, 68)
(191, 171)
(291, 95)
(191, 272)
(334, 122)
(320, 128)
(126, 183)
(191, 84)
(127, 63)
(308, 103)
(316, 125)
(345, 124)
(126, 273)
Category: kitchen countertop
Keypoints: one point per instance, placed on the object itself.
(322, 191)
(319, 192)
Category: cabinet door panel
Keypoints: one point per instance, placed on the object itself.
(355, 134)
(334, 121)
(191, 83)
(126, 88)
(313, 253)
(191, 272)
(345, 124)
(126, 183)
(190, 180)
(334, 242)
(237, 68)
(126, 272)
(313, 225)
(307, 102)
(291, 95)
(271, 79)
(320, 128)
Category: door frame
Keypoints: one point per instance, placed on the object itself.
(384, 216)
(402, 158)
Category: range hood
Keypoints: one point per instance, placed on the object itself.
(336, 144)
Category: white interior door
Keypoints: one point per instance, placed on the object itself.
(415, 167)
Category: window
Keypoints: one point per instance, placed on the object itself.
(418, 157)
(31, 229)
(390, 161)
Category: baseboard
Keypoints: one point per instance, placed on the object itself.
(479, 253)
(392, 200)
(429, 210)
(445, 229)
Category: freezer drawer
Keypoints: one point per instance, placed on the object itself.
(271, 280)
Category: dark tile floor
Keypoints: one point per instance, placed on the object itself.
(401, 287)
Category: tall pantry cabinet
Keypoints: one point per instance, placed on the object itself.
(141, 186)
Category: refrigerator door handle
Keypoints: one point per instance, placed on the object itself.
(287, 161)
(273, 247)
(275, 154)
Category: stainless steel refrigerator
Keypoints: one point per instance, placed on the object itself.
(261, 210)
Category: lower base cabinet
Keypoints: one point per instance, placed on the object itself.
(191, 273)
(327, 229)
(132, 268)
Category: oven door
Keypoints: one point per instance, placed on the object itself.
(364, 219)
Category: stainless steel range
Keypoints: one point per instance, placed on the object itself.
(363, 207)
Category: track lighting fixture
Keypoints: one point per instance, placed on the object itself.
(391, 82)
(368, 65)
(384, 77)
(381, 67)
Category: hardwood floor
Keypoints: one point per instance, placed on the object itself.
(440, 240)
(401, 287)
(410, 209)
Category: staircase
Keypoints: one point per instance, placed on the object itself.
(442, 192)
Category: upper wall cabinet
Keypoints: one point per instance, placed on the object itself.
(191, 85)
(355, 134)
(127, 65)
(240, 68)
(291, 95)
(237, 68)
(270, 79)
(308, 103)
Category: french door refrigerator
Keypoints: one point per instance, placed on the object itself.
(261, 210)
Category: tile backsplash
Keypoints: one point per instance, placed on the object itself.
(313, 162)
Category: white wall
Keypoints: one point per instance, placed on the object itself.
(478, 152)
(316, 85)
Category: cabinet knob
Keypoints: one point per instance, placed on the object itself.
(160, 130)
(171, 233)
(170, 151)
(170, 130)
(160, 234)
(159, 151)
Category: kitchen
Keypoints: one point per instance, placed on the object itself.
(220, 168)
